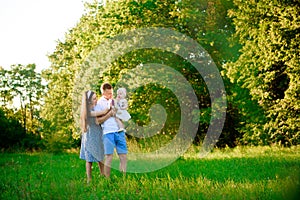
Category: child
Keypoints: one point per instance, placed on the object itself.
(121, 106)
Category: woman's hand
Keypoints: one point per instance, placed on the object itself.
(112, 112)
(103, 118)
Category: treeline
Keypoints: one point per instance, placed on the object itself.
(255, 46)
(22, 94)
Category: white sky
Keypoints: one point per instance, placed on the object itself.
(29, 29)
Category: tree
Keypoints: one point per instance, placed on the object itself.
(23, 83)
(269, 69)
(99, 23)
(6, 97)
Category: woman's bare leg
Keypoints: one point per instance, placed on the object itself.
(88, 166)
(101, 167)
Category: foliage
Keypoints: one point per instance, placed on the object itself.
(12, 134)
(5, 96)
(262, 80)
(11, 131)
(268, 69)
(25, 84)
(205, 21)
(22, 83)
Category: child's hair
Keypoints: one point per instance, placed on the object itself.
(85, 105)
(105, 86)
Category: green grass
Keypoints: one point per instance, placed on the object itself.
(240, 173)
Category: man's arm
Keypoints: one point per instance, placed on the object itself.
(103, 118)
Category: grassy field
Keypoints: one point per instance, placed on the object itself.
(240, 173)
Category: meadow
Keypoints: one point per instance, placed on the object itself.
(239, 173)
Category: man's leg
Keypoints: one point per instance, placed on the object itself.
(121, 147)
(108, 142)
(123, 162)
(107, 165)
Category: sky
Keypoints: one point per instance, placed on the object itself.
(30, 29)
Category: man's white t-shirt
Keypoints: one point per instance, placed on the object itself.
(110, 125)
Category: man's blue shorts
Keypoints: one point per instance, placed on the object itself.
(114, 140)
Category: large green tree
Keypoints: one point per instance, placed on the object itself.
(205, 21)
(269, 69)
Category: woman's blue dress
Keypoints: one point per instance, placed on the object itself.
(92, 149)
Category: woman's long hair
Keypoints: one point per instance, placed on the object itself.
(85, 109)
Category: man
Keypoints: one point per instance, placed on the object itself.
(111, 137)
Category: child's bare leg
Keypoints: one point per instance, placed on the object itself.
(120, 123)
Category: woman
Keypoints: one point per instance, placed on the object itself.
(91, 142)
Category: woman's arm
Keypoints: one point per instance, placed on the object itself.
(99, 113)
(103, 118)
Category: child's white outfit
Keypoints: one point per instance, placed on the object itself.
(121, 112)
